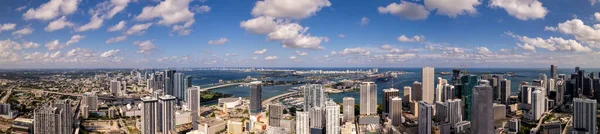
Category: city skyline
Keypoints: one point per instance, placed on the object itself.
(320, 33)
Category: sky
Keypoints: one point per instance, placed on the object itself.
(299, 33)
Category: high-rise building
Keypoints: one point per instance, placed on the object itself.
(179, 87)
(587, 87)
(407, 93)
(396, 110)
(85, 111)
(552, 128)
(91, 100)
(167, 105)
(456, 75)
(388, 94)
(483, 123)
(584, 116)
(314, 95)
(275, 114)
(53, 119)
(332, 113)
(537, 104)
(194, 105)
(544, 79)
(454, 111)
(579, 80)
(115, 87)
(255, 97)
(505, 91)
(560, 92)
(468, 83)
(348, 109)
(316, 117)
(441, 112)
(187, 82)
(368, 98)
(448, 92)
(149, 115)
(554, 72)
(67, 115)
(169, 82)
(597, 89)
(425, 117)
(427, 76)
(514, 125)
(417, 89)
(302, 123)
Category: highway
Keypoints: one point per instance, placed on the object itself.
(288, 94)
(220, 86)
(8, 93)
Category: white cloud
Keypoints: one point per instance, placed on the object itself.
(593, 2)
(183, 29)
(52, 9)
(484, 51)
(80, 52)
(581, 32)
(408, 10)
(231, 54)
(416, 38)
(145, 47)
(20, 8)
(110, 53)
(452, 8)
(293, 9)
(269, 58)
(201, 9)
(116, 39)
(364, 21)
(263, 51)
(53, 45)
(7, 27)
(28, 45)
(169, 12)
(548, 28)
(341, 36)
(292, 35)
(138, 29)
(74, 39)
(597, 16)
(95, 23)
(58, 24)
(118, 26)
(24, 31)
(117, 6)
(522, 9)
(292, 57)
(551, 44)
(259, 25)
(220, 41)
(356, 50)
(301, 53)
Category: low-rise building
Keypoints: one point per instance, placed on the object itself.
(22, 126)
(211, 126)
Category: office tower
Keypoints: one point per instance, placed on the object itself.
(194, 105)
(584, 116)
(388, 94)
(416, 90)
(448, 92)
(597, 89)
(302, 123)
(349, 109)
(178, 86)
(441, 112)
(149, 115)
(255, 97)
(85, 111)
(67, 115)
(526, 94)
(187, 82)
(396, 110)
(316, 117)
(169, 82)
(456, 75)
(314, 95)
(332, 111)
(91, 100)
(579, 80)
(587, 87)
(167, 105)
(438, 90)
(48, 120)
(122, 88)
(551, 85)
(468, 83)
(149, 85)
(454, 111)
(275, 114)
(505, 92)
(554, 72)
(495, 90)
(483, 123)
(115, 87)
(560, 91)
(407, 95)
(544, 79)
(368, 98)
(514, 125)
(425, 116)
(427, 92)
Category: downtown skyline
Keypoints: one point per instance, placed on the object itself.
(308, 33)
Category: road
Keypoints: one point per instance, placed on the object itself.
(220, 86)
(8, 93)
(567, 125)
(542, 119)
(288, 94)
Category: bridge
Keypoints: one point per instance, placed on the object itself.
(281, 96)
(220, 86)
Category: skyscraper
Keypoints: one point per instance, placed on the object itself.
(115, 86)
(456, 75)
(314, 95)
(302, 123)
(468, 83)
(483, 123)
(316, 118)
(67, 115)
(425, 116)
(537, 104)
(427, 75)
(396, 110)
(544, 79)
(587, 87)
(255, 97)
(388, 94)
(417, 91)
(167, 107)
(332, 111)
(91, 100)
(149, 115)
(348, 109)
(514, 125)
(275, 114)
(505, 92)
(178, 86)
(584, 116)
(560, 91)
(368, 98)
(407, 93)
(187, 82)
(554, 72)
(441, 112)
(53, 119)
(194, 105)
(454, 111)
(169, 82)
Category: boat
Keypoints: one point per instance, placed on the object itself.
(445, 73)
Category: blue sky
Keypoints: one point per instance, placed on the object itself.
(299, 33)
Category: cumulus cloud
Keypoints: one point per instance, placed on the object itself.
(581, 32)
(9, 45)
(484, 51)
(53, 45)
(551, 44)
(301, 53)
(145, 47)
(52, 9)
(263, 51)
(341, 36)
(220, 41)
(118, 26)
(170, 12)
(353, 51)
(522, 9)
(364, 21)
(80, 52)
(269, 58)
(416, 38)
(408, 10)
(116, 39)
(7, 27)
(116, 6)
(138, 29)
(452, 8)
(95, 23)
(292, 57)
(259, 25)
(201, 9)
(293, 35)
(110, 53)
(597, 16)
(300, 9)
(58, 24)
(24, 31)
(74, 39)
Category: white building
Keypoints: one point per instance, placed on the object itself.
(167, 107)
(302, 123)
(333, 118)
(427, 91)
(368, 98)
(149, 115)
(425, 117)
(584, 116)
